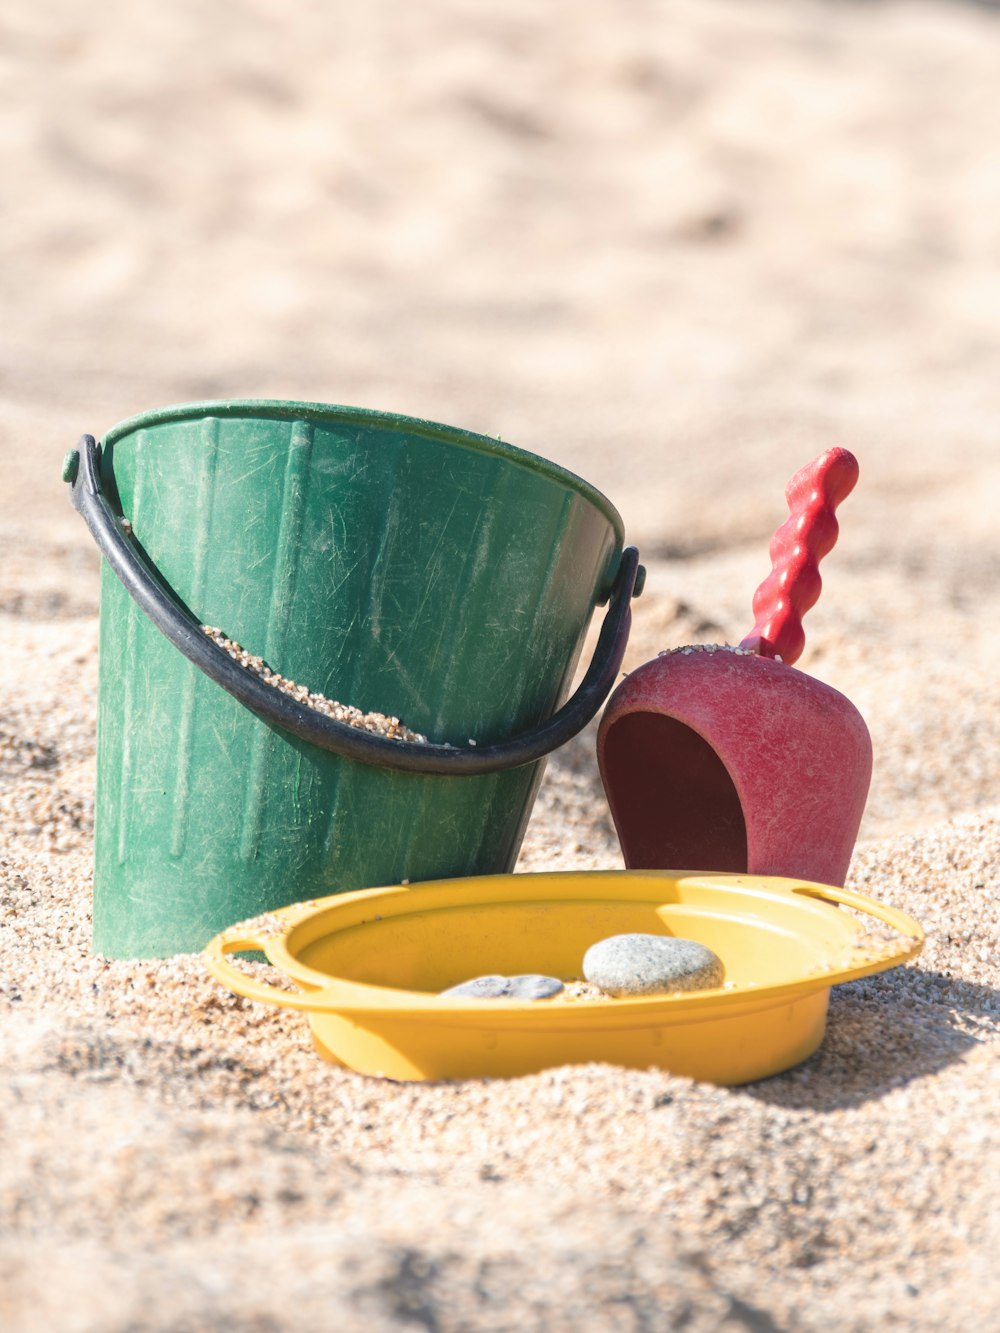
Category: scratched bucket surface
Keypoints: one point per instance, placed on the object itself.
(393, 564)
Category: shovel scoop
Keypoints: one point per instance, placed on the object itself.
(729, 759)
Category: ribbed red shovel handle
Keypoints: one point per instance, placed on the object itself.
(807, 535)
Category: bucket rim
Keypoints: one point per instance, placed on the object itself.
(279, 409)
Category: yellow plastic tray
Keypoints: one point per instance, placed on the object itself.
(369, 966)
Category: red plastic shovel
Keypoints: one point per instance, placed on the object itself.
(728, 759)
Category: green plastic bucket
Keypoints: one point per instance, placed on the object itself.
(393, 564)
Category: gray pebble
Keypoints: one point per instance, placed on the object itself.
(530, 986)
(651, 965)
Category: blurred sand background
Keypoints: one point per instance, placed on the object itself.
(681, 248)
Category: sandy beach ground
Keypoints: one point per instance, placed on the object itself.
(681, 248)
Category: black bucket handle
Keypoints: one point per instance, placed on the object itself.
(82, 471)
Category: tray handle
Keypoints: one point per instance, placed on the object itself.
(879, 956)
(246, 940)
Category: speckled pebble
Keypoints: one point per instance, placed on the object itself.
(651, 965)
(529, 986)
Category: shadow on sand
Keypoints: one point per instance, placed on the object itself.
(884, 1032)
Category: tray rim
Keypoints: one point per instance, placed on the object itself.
(324, 993)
